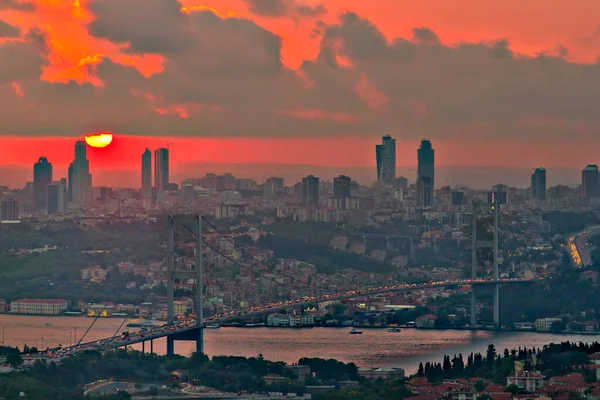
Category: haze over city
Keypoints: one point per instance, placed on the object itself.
(321, 200)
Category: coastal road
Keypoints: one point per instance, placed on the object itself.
(578, 247)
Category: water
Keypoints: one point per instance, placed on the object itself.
(374, 348)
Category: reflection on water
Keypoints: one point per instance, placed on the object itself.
(373, 348)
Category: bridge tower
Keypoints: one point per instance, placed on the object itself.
(192, 224)
(479, 244)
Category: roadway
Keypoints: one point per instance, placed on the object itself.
(190, 325)
(579, 248)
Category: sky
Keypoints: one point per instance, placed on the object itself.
(502, 83)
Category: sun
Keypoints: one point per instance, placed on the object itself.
(99, 140)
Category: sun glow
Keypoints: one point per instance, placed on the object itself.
(99, 140)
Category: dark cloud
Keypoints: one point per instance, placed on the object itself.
(226, 77)
(17, 5)
(8, 31)
(282, 8)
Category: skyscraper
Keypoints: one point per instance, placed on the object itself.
(42, 176)
(425, 174)
(70, 183)
(146, 172)
(538, 184)
(56, 199)
(161, 169)
(81, 189)
(342, 187)
(310, 190)
(589, 181)
(385, 154)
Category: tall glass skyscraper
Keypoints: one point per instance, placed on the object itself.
(146, 172)
(161, 169)
(342, 187)
(81, 189)
(425, 174)
(538, 184)
(42, 177)
(589, 181)
(385, 153)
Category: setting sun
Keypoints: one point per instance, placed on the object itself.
(99, 140)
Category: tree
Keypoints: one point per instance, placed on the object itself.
(491, 354)
(480, 386)
(421, 370)
(14, 360)
(512, 388)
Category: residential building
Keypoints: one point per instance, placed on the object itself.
(342, 187)
(385, 154)
(310, 190)
(425, 174)
(95, 274)
(381, 373)
(538, 184)
(301, 372)
(527, 380)
(180, 307)
(426, 321)
(39, 306)
(545, 324)
(273, 186)
(9, 209)
(42, 177)
(161, 169)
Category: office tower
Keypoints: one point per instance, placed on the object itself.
(161, 169)
(342, 187)
(146, 172)
(310, 190)
(499, 192)
(42, 176)
(401, 183)
(9, 210)
(70, 183)
(81, 189)
(57, 197)
(273, 186)
(458, 198)
(589, 181)
(538, 184)
(425, 174)
(385, 154)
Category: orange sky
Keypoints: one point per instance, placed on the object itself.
(531, 26)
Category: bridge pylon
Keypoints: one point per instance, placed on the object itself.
(193, 224)
(479, 244)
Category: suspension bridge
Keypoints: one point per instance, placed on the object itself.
(193, 329)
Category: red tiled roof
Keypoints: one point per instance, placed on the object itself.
(41, 301)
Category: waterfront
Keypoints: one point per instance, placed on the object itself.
(374, 347)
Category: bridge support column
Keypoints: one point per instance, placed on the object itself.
(496, 261)
(170, 346)
(200, 341)
(143, 347)
(474, 266)
(151, 346)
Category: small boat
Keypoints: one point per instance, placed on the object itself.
(393, 329)
(48, 324)
(214, 326)
(353, 331)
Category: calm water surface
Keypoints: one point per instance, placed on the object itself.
(373, 348)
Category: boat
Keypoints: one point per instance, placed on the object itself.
(48, 324)
(393, 329)
(140, 323)
(353, 331)
(214, 326)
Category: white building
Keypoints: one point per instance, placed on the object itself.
(545, 324)
(39, 306)
(530, 381)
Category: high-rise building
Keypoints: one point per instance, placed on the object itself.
(9, 209)
(425, 174)
(538, 184)
(146, 172)
(70, 183)
(385, 154)
(310, 190)
(57, 197)
(81, 189)
(42, 176)
(342, 187)
(589, 181)
(401, 183)
(161, 169)
(273, 186)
